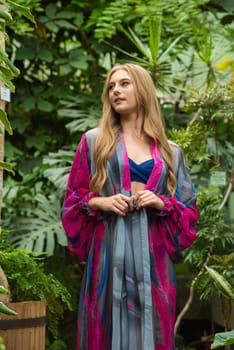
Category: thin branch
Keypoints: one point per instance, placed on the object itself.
(195, 117)
(186, 306)
(191, 295)
(227, 194)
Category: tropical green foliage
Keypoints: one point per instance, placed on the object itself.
(223, 339)
(8, 71)
(4, 309)
(41, 231)
(28, 280)
(63, 63)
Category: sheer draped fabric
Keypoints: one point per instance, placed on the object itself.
(128, 295)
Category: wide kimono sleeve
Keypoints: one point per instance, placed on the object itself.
(77, 218)
(178, 219)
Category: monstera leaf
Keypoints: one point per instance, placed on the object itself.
(59, 167)
(41, 230)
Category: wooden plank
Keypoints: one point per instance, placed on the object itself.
(25, 337)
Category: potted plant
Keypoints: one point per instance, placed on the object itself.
(3, 308)
(37, 297)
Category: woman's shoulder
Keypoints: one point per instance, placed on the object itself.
(90, 137)
(176, 149)
(92, 133)
(178, 154)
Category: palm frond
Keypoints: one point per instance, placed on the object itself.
(155, 26)
(136, 40)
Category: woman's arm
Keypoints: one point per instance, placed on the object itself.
(77, 218)
(177, 220)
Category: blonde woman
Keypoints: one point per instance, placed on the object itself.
(129, 211)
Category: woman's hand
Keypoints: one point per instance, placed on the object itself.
(118, 203)
(148, 198)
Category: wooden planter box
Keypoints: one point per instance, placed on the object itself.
(26, 330)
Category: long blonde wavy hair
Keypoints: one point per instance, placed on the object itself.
(152, 125)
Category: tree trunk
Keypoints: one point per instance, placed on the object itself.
(2, 131)
(3, 280)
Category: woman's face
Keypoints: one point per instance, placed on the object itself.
(121, 93)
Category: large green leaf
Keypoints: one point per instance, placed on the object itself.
(6, 166)
(82, 119)
(41, 230)
(136, 40)
(58, 176)
(6, 16)
(59, 167)
(5, 121)
(155, 23)
(56, 19)
(4, 309)
(7, 82)
(223, 339)
(44, 105)
(22, 10)
(9, 64)
(223, 286)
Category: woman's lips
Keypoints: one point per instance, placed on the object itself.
(118, 100)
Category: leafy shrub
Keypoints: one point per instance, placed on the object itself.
(28, 280)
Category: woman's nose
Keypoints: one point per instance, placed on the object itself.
(116, 89)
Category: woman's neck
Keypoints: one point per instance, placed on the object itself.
(132, 127)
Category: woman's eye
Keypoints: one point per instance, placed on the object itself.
(110, 87)
(125, 83)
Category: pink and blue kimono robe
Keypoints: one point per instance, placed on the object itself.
(128, 295)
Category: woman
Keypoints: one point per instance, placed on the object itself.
(130, 211)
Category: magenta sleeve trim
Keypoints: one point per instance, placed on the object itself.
(169, 205)
(88, 210)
